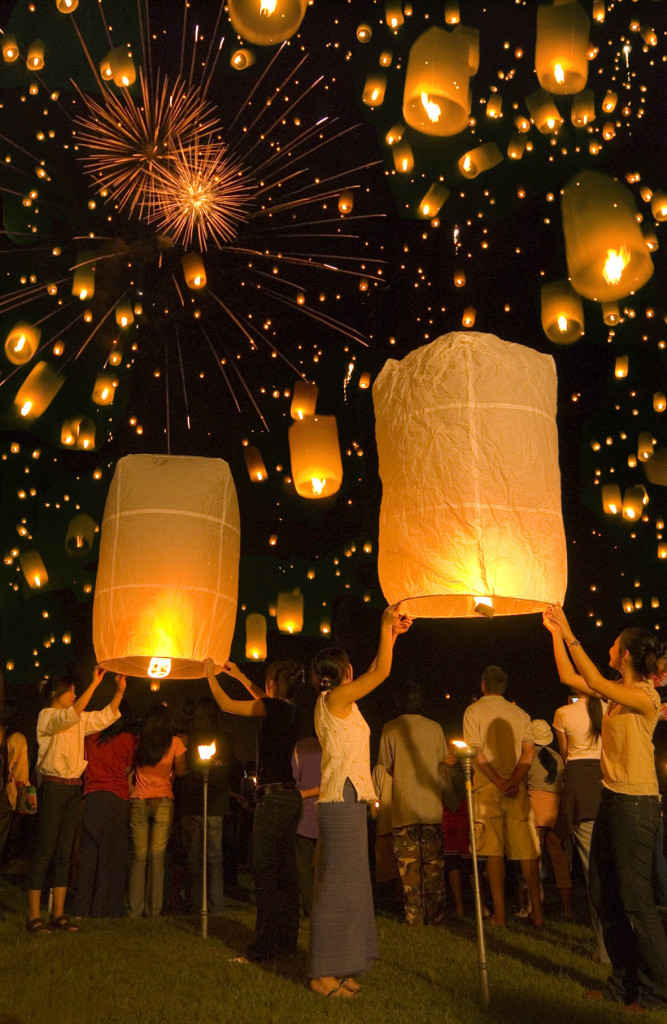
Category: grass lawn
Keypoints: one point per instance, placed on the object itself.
(162, 971)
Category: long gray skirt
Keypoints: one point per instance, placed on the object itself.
(343, 940)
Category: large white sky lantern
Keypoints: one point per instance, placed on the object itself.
(167, 582)
(468, 455)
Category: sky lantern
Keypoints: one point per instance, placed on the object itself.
(436, 98)
(393, 14)
(33, 569)
(346, 201)
(105, 389)
(194, 270)
(38, 390)
(659, 401)
(374, 89)
(254, 463)
(611, 499)
(10, 50)
(561, 47)
(83, 282)
(404, 159)
(482, 158)
(67, 6)
(289, 611)
(470, 519)
(167, 581)
(544, 112)
(124, 313)
(85, 435)
(633, 503)
(35, 59)
(80, 535)
(255, 637)
(433, 201)
(583, 109)
(266, 22)
(22, 342)
(121, 67)
(645, 446)
(659, 205)
(656, 468)
(604, 247)
(562, 313)
(611, 313)
(621, 366)
(304, 399)
(317, 469)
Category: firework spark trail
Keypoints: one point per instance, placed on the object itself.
(221, 367)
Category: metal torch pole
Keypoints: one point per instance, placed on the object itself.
(481, 947)
(204, 903)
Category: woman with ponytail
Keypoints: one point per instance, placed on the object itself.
(544, 783)
(624, 835)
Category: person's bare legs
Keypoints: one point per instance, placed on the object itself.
(33, 903)
(531, 876)
(495, 868)
(59, 894)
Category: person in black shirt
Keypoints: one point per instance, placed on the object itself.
(274, 871)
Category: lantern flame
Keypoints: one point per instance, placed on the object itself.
(562, 323)
(318, 485)
(159, 668)
(432, 109)
(25, 408)
(559, 74)
(484, 606)
(615, 264)
(467, 162)
(267, 8)
(206, 752)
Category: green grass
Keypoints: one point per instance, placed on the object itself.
(162, 971)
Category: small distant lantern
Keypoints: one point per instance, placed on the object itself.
(364, 33)
(167, 581)
(317, 469)
(659, 401)
(604, 247)
(85, 437)
(254, 464)
(516, 146)
(467, 518)
(194, 270)
(599, 10)
(67, 6)
(10, 50)
(611, 314)
(104, 390)
(482, 158)
(374, 90)
(266, 22)
(609, 102)
(452, 12)
(395, 134)
(304, 399)
(611, 499)
(80, 535)
(38, 390)
(255, 637)
(436, 99)
(33, 569)
(494, 106)
(393, 13)
(562, 313)
(325, 625)
(68, 433)
(633, 503)
(346, 201)
(621, 366)
(662, 549)
(650, 237)
(561, 47)
(522, 124)
(124, 313)
(583, 109)
(403, 156)
(644, 446)
(121, 66)
(459, 278)
(544, 112)
(22, 342)
(35, 58)
(469, 316)
(659, 205)
(434, 199)
(656, 468)
(289, 611)
(115, 357)
(83, 282)
(242, 58)
(364, 380)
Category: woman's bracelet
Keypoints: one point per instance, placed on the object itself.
(573, 643)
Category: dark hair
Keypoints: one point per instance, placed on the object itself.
(284, 675)
(122, 724)
(594, 708)
(547, 759)
(644, 650)
(329, 668)
(409, 698)
(51, 689)
(495, 679)
(155, 736)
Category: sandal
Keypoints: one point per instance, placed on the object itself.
(337, 991)
(63, 924)
(351, 985)
(35, 926)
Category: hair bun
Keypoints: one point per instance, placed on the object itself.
(325, 684)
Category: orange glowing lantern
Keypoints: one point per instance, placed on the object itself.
(403, 156)
(468, 517)
(604, 247)
(482, 158)
(611, 314)
(124, 313)
(346, 201)
(393, 14)
(266, 22)
(317, 469)
(121, 67)
(633, 503)
(38, 390)
(242, 58)
(611, 499)
(659, 401)
(621, 366)
(22, 343)
(254, 464)
(104, 390)
(561, 47)
(436, 99)
(374, 90)
(544, 112)
(304, 399)
(434, 199)
(85, 435)
(583, 109)
(83, 282)
(10, 50)
(194, 270)
(67, 6)
(166, 591)
(80, 535)
(289, 611)
(659, 205)
(645, 446)
(33, 569)
(35, 58)
(469, 316)
(562, 313)
(255, 637)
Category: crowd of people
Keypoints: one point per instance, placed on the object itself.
(309, 801)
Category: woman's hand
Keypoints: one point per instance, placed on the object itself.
(399, 623)
(98, 675)
(231, 669)
(121, 683)
(557, 616)
(549, 623)
(209, 668)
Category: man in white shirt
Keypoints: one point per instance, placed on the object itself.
(503, 735)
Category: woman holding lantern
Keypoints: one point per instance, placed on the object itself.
(623, 845)
(342, 936)
(278, 805)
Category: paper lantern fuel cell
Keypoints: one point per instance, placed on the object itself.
(470, 520)
(167, 582)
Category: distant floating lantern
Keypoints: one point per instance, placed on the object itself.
(83, 282)
(304, 399)
(611, 499)
(562, 313)
(650, 237)
(35, 58)
(80, 535)
(124, 314)
(434, 199)
(469, 316)
(374, 89)
(599, 10)
(436, 99)
(393, 14)
(194, 270)
(254, 464)
(104, 390)
(364, 380)
(628, 605)
(609, 102)
(385, 59)
(395, 134)
(168, 567)
(608, 130)
(459, 278)
(544, 112)
(611, 314)
(115, 357)
(656, 468)
(583, 109)
(121, 67)
(85, 436)
(561, 47)
(482, 158)
(621, 366)
(289, 611)
(10, 50)
(662, 549)
(346, 201)
(242, 58)
(317, 469)
(644, 446)
(403, 156)
(33, 569)
(472, 524)
(494, 106)
(68, 433)
(522, 124)
(325, 625)
(604, 247)
(266, 22)
(659, 205)
(255, 637)
(633, 503)
(22, 342)
(67, 6)
(516, 146)
(364, 33)
(452, 12)
(659, 401)
(38, 390)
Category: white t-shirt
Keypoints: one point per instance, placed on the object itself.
(572, 720)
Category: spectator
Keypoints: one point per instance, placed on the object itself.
(307, 771)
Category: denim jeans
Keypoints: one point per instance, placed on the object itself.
(192, 835)
(274, 874)
(103, 856)
(150, 825)
(622, 891)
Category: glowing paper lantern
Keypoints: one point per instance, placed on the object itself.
(121, 66)
(33, 569)
(254, 463)
(403, 156)
(255, 637)
(304, 399)
(124, 314)
(468, 456)
(85, 435)
(432, 202)
(469, 316)
(289, 611)
(436, 99)
(393, 13)
(611, 314)
(611, 499)
(317, 469)
(659, 401)
(482, 158)
(242, 58)
(656, 468)
(561, 47)
(633, 503)
(374, 90)
(10, 50)
(544, 112)
(659, 205)
(38, 390)
(35, 58)
(645, 446)
(346, 201)
(266, 22)
(167, 580)
(105, 389)
(194, 270)
(80, 535)
(562, 313)
(583, 109)
(452, 13)
(83, 282)
(604, 247)
(22, 343)
(621, 366)
(67, 6)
